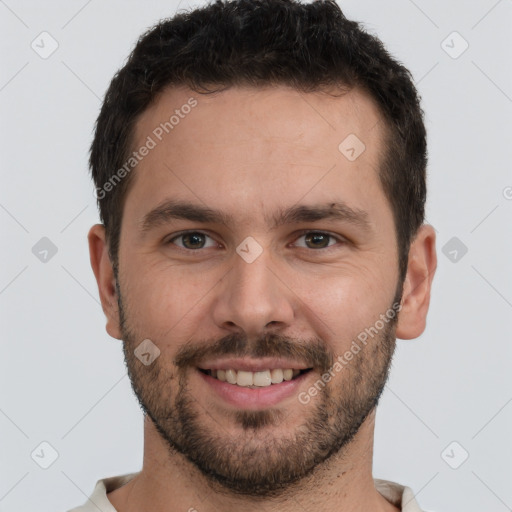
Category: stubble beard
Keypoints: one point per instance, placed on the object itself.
(259, 461)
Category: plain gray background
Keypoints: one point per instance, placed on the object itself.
(62, 378)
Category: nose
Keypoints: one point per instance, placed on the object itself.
(252, 298)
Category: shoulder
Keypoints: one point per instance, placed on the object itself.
(397, 494)
(98, 498)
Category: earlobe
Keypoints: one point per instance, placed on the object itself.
(104, 273)
(417, 285)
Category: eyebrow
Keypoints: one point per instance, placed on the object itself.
(172, 209)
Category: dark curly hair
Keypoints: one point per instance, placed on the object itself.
(310, 47)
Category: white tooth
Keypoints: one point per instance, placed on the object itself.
(276, 375)
(288, 374)
(231, 376)
(213, 373)
(221, 375)
(244, 378)
(262, 378)
(296, 372)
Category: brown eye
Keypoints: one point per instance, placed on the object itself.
(192, 240)
(318, 240)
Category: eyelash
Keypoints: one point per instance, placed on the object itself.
(300, 235)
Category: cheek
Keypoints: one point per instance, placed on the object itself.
(167, 298)
(342, 307)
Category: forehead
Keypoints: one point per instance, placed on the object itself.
(258, 146)
(247, 114)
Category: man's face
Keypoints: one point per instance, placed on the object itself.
(261, 290)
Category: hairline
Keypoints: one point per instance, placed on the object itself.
(387, 137)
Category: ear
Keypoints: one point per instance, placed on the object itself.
(417, 284)
(104, 273)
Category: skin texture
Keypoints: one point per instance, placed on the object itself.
(249, 153)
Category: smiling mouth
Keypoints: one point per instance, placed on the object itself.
(260, 379)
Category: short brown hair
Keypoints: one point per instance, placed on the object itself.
(259, 43)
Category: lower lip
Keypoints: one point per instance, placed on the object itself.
(254, 398)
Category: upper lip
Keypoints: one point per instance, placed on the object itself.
(251, 365)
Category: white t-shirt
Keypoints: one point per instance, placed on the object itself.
(396, 494)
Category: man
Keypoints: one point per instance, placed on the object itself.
(260, 173)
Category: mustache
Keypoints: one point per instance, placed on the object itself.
(311, 352)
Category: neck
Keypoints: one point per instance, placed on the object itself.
(170, 482)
